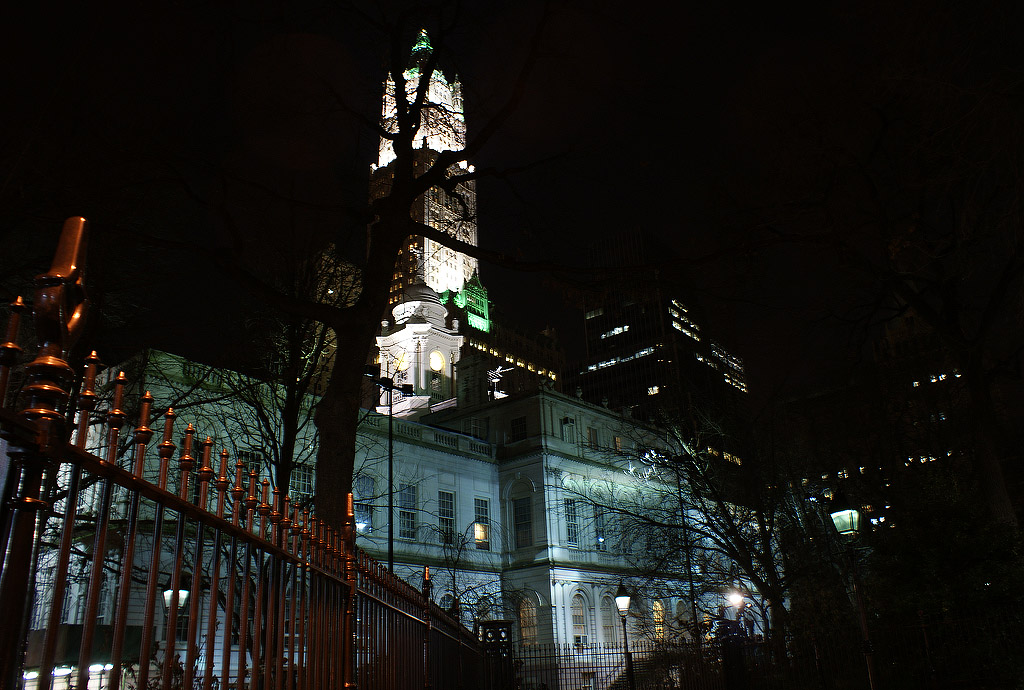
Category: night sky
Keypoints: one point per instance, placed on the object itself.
(194, 126)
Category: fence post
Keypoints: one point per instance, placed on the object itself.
(349, 564)
(426, 627)
(59, 310)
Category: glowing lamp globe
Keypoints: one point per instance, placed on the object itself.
(847, 521)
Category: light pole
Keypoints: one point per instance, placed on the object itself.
(169, 596)
(738, 601)
(847, 523)
(387, 383)
(622, 604)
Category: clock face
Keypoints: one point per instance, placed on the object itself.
(402, 361)
(436, 360)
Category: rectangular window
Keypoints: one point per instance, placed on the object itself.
(301, 484)
(522, 519)
(104, 605)
(592, 439)
(600, 538)
(253, 463)
(364, 496)
(617, 442)
(407, 511)
(517, 430)
(569, 429)
(572, 525)
(482, 524)
(446, 516)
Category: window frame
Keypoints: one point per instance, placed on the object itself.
(522, 521)
(407, 501)
(482, 523)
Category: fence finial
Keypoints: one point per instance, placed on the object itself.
(9, 349)
(59, 309)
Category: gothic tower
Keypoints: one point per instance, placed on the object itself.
(443, 128)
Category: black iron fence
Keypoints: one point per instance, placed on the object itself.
(927, 654)
(178, 568)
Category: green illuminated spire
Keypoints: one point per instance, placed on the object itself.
(422, 44)
(421, 50)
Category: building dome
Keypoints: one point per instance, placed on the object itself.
(420, 304)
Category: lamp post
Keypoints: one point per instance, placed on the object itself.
(387, 383)
(622, 604)
(738, 602)
(847, 523)
(169, 597)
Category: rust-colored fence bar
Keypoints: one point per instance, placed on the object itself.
(196, 577)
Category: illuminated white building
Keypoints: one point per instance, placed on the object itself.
(420, 350)
(443, 128)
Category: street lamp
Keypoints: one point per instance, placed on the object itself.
(738, 602)
(169, 597)
(622, 604)
(847, 523)
(387, 383)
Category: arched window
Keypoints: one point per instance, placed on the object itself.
(659, 620)
(579, 620)
(609, 621)
(527, 621)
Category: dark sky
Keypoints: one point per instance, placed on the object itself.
(687, 122)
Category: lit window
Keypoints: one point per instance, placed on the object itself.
(615, 331)
(594, 312)
(482, 524)
(653, 390)
(659, 620)
(527, 622)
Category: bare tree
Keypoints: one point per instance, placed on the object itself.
(698, 522)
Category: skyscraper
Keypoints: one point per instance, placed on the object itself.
(443, 128)
(493, 350)
(646, 349)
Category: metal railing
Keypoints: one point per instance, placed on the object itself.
(204, 576)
